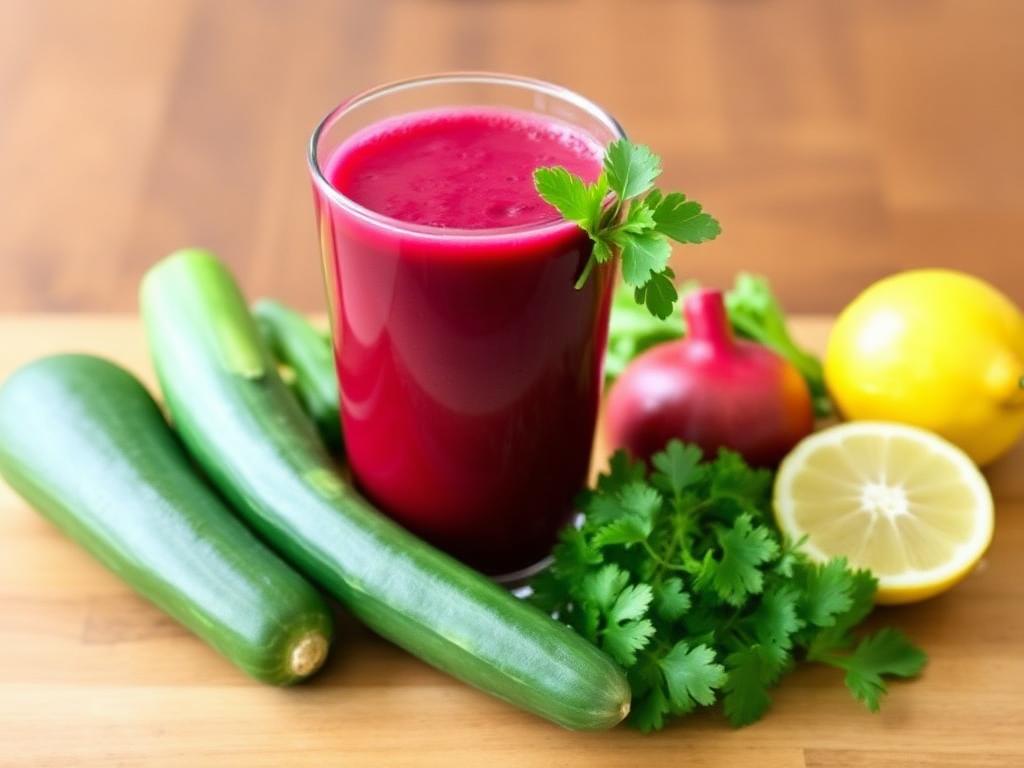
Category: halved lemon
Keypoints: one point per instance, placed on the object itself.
(901, 501)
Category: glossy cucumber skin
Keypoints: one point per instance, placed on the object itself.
(84, 443)
(252, 438)
(296, 343)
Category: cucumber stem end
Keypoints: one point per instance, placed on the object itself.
(624, 710)
(308, 654)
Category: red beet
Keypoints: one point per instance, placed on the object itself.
(712, 390)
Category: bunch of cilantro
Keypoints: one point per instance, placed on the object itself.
(681, 577)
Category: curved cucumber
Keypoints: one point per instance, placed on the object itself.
(84, 443)
(250, 435)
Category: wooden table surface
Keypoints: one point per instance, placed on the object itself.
(92, 675)
(837, 140)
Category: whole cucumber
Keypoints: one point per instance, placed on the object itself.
(83, 442)
(252, 438)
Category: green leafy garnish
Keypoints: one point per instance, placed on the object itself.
(887, 652)
(637, 222)
(680, 575)
(754, 314)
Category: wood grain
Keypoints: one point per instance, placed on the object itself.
(837, 141)
(91, 675)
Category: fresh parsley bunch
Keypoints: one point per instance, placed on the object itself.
(682, 578)
(623, 212)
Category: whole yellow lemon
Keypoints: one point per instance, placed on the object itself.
(937, 349)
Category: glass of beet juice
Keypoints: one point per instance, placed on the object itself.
(469, 365)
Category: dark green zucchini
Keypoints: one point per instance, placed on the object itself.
(252, 438)
(307, 353)
(84, 443)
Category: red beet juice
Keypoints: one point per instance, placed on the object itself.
(469, 366)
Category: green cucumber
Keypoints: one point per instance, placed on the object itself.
(252, 438)
(307, 353)
(84, 443)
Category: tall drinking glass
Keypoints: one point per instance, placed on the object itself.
(469, 365)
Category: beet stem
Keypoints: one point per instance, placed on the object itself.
(706, 318)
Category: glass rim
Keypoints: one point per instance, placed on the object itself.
(446, 78)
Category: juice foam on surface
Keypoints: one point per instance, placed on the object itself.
(466, 168)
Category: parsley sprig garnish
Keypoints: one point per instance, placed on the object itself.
(638, 223)
(681, 576)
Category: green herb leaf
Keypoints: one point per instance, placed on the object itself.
(631, 168)
(622, 641)
(641, 237)
(602, 509)
(692, 676)
(574, 198)
(631, 603)
(683, 220)
(602, 250)
(677, 467)
(639, 219)
(775, 623)
(746, 688)
(574, 556)
(744, 547)
(827, 592)
(733, 479)
(641, 499)
(829, 639)
(628, 530)
(670, 601)
(626, 633)
(887, 652)
(658, 294)
(602, 588)
(643, 255)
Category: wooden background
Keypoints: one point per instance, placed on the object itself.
(836, 141)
